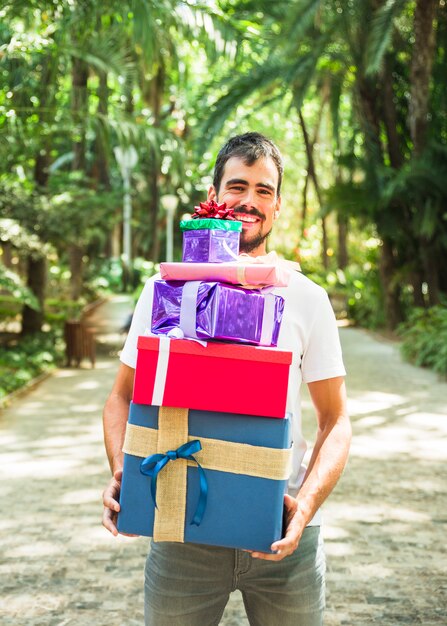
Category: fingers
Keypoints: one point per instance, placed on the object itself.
(109, 521)
(111, 505)
(288, 544)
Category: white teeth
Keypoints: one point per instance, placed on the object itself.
(246, 218)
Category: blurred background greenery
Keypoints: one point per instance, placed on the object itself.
(353, 92)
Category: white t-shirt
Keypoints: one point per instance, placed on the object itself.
(308, 330)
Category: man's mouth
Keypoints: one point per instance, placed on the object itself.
(248, 218)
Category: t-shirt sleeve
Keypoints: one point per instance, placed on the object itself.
(322, 357)
(141, 322)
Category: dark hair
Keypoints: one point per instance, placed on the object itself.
(250, 147)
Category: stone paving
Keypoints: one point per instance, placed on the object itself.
(385, 524)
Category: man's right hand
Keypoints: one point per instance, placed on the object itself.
(110, 498)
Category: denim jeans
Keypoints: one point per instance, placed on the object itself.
(189, 584)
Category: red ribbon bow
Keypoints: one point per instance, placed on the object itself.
(214, 210)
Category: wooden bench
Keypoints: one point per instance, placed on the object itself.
(79, 343)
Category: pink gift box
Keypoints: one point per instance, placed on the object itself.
(256, 274)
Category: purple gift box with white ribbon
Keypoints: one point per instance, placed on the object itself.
(212, 310)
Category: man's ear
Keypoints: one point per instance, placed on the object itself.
(212, 195)
(277, 208)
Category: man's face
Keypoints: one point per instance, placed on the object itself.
(251, 191)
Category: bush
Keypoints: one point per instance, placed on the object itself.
(424, 336)
(24, 359)
(355, 293)
(58, 311)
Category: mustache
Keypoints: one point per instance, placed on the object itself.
(255, 212)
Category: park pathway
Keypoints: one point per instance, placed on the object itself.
(385, 524)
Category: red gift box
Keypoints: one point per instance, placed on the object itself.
(220, 377)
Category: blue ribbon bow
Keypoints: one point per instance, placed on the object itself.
(153, 464)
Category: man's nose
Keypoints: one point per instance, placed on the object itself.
(248, 198)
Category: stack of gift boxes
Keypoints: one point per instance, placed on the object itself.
(208, 443)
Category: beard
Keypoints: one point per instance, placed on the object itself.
(248, 245)
(252, 244)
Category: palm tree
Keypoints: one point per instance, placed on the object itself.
(363, 48)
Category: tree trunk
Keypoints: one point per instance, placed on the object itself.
(79, 112)
(420, 71)
(304, 209)
(154, 97)
(101, 144)
(431, 272)
(390, 118)
(313, 175)
(342, 252)
(115, 241)
(46, 96)
(390, 286)
(367, 97)
(154, 205)
(6, 254)
(79, 107)
(76, 269)
(36, 280)
(416, 280)
(36, 268)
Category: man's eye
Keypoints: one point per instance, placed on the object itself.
(265, 192)
(236, 188)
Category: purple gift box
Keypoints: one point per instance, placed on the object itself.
(210, 310)
(210, 240)
(210, 246)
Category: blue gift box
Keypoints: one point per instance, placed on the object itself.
(242, 511)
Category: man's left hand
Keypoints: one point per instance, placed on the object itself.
(294, 529)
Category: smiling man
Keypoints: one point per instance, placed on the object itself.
(189, 584)
(249, 181)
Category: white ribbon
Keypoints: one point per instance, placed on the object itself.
(268, 318)
(188, 308)
(161, 371)
(229, 250)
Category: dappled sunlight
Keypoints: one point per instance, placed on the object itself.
(34, 405)
(376, 513)
(370, 420)
(27, 605)
(95, 534)
(66, 373)
(87, 408)
(7, 439)
(34, 550)
(372, 401)
(332, 533)
(339, 549)
(435, 485)
(88, 384)
(368, 571)
(81, 496)
(7, 524)
(403, 437)
(38, 469)
(429, 421)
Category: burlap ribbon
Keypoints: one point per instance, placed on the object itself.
(223, 456)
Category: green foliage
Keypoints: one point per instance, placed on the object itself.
(24, 359)
(12, 283)
(174, 79)
(58, 311)
(106, 275)
(355, 294)
(424, 338)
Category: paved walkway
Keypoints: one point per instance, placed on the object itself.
(385, 525)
